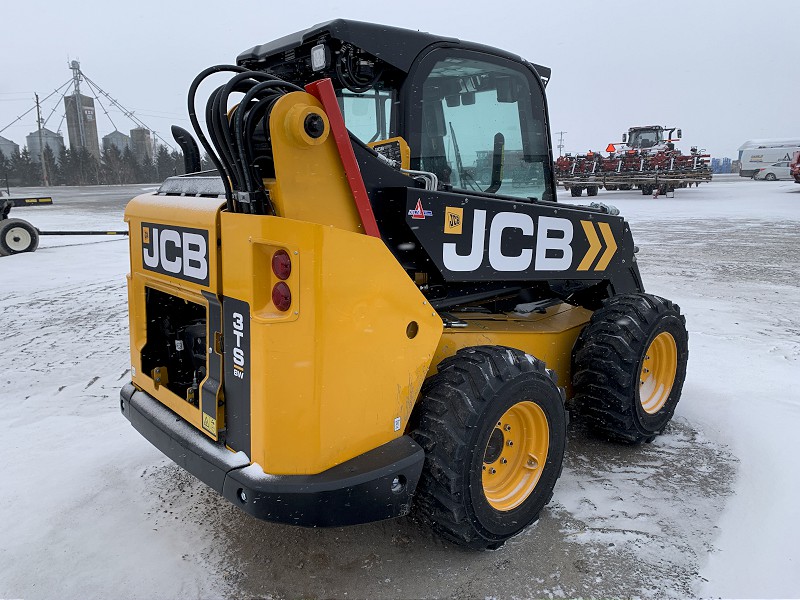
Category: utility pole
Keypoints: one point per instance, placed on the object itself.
(45, 179)
(560, 145)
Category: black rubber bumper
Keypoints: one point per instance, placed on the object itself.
(373, 486)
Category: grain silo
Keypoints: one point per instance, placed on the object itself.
(81, 117)
(116, 139)
(7, 147)
(142, 144)
(49, 138)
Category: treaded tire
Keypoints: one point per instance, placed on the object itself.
(609, 360)
(576, 192)
(458, 415)
(592, 190)
(16, 236)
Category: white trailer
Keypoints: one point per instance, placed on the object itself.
(757, 154)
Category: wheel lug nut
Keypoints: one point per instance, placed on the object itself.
(503, 460)
(492, 471)
(507, 427)
(510, 443)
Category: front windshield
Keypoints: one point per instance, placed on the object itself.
(645, 138)
(483, 128)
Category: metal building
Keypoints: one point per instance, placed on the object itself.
(142, 144)
(49, 138)
(118, 140)
(7, 147)
(82, 123)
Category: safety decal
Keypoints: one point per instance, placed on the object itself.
(418, 212)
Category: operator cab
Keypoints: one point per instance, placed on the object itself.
(474, 116)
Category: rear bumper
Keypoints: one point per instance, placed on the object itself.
(373, 486)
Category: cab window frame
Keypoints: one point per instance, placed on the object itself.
(412, 120)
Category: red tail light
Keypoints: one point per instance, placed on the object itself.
(281, 264)
(281, 296)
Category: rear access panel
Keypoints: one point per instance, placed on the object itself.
(175, 314)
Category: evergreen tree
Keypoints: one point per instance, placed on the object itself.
(177, 159)
(5, 167)
(165, 165)
(51, 165)
(130, 166)
(23, 170)
(113, 169)
(63, 167)
(148, 172)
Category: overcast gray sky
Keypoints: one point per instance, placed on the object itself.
(724, 72)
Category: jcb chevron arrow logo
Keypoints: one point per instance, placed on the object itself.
(595, 246)
(551, 244)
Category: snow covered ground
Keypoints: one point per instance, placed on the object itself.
(89, 509)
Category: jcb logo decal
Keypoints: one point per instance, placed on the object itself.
(176, 251)
(453, 217)
(553, 251)
(595, 246)
(543, 243)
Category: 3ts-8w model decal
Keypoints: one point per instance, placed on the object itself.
(237, 368)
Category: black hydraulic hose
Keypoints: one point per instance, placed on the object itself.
(198, 130)
(251, 120)
(224, 140)
(239, 119)
(221, 151)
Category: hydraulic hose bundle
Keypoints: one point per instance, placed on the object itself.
(233, 134)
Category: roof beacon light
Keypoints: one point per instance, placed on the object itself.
(318, 58)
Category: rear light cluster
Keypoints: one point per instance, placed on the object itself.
(282, 267)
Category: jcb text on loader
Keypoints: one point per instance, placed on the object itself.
(363, 308)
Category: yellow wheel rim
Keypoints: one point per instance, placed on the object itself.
(658, 373)
(515, 456)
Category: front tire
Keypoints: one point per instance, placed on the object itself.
(770, 177)
(629, 365)
(493, 427)
(17, 235)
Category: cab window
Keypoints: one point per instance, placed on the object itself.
(476, 115)
(367, 115)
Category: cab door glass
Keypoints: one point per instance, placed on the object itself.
(483, 128)
(367, 115)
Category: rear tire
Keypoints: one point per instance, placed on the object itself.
(629, 365)
(592, 190)
(493, 427)
(17, 236)
(576, 191)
